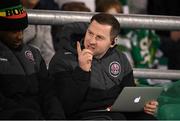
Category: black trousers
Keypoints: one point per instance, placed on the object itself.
(20, 114)
(105, 115)
(138, 116)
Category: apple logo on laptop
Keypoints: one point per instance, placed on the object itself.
(137, 99)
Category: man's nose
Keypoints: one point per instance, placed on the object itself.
(19, 34)
(93, 40)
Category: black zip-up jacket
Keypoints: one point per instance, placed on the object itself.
(24, 84)
(82, 91)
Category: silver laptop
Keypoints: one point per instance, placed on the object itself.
(133, 99)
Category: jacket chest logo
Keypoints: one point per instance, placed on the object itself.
(29, 55)
(114, 69)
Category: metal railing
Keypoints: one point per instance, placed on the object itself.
(156, 73)
(52, 17)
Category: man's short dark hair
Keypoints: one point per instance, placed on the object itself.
(108, 19)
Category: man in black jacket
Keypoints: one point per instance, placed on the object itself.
(25, 90)
(90, 75)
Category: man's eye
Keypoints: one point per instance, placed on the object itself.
(90, 33)
(99, 38)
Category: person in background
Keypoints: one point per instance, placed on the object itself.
(88, 3)
(90, 73)
(109, 6)
(137, 6)
(49, 5)
(57, 30)
(75, 6)
(25, 88)
(39, 36)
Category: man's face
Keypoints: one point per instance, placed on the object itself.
(97, 39)
(12, 38)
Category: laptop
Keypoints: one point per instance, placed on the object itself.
(133, 99)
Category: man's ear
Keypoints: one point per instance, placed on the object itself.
(113, 42)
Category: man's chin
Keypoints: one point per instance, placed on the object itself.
(16, 46)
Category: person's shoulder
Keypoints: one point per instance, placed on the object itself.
(122, 57)
(120, 53)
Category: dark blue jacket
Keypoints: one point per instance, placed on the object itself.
(24, 84)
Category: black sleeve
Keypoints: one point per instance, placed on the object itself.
(71, 84)
(128, 80)
(51, 106)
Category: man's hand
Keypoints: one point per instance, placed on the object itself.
(151, 107)
(84, 57)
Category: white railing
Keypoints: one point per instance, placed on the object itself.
(52, 17)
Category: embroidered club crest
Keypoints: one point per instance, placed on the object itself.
(29, 55)
(114, 69)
